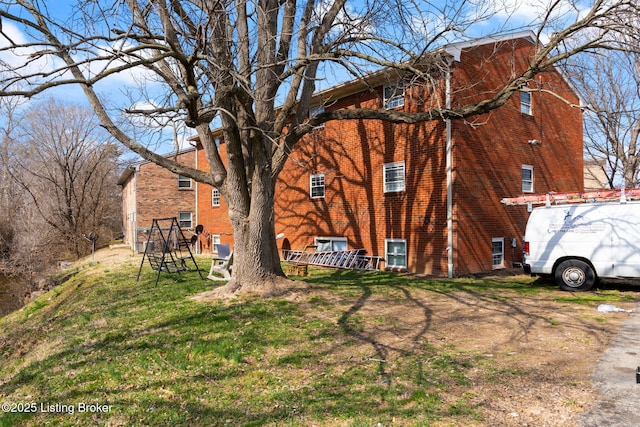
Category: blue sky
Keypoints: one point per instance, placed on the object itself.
(519, 13)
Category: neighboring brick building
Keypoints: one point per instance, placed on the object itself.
(150, 191)
(426, 197)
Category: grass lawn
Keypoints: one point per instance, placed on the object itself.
(102, 349)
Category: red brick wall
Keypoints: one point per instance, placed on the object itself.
(351, 154)
(488, 151)
(158, 195)
(215, 220)
(489, 154)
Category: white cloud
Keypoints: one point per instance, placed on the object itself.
(22, 60)
(165, 130)
(9, 29)
(532, 12)
(21, 57)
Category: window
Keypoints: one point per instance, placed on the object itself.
(394, 95)
(215, 197)
(497, 252)
(393, 177)
(215, 241)
(184, 182)
(395, 251)
(316, 184)
(527, 179)
(324, 244)
(314, 111)
(184, 219)
(525, 103)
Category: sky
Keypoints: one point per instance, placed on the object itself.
(519, 13)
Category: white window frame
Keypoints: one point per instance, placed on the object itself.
(215, 197)
(394, 95)
(526, 102)
(527, 184)
(497, 257)
(395, 185)
(183, 222)
(341, 241)
(388, 255)
(183, 179)
(314, 111)
(215, 241)
(317, 185)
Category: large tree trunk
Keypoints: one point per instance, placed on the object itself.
(256, 264)
(256, 268)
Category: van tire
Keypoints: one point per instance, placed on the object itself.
(574, 275)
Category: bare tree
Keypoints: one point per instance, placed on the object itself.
(612, 119)
(251, 68)
(68, 170)
(10, 200)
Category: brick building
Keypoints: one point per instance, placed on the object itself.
(150, 191)
(426, 197)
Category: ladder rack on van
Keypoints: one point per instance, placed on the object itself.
(574, 197)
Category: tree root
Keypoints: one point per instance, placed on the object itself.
(273, 287)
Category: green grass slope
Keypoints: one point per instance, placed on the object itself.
(103, 349)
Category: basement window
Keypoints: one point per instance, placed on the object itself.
(324, 244)
(395, 251)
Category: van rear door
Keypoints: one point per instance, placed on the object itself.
(625, 241)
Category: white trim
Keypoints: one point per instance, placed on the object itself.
(317, 110)
(317, 186)
(522, 181)
(217, 197)
(449, 174)
(197, 221)
(215, 241)
(396, 100)
(493, 254)
(190, 219)
(526, 107)
(388, 167)
(316, 241)
(455, 49)
(182, 178)
(396, 254)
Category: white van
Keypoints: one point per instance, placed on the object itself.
(579, 243)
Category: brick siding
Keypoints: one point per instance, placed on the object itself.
(157, 195)
(488, 154)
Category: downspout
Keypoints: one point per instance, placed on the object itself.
(134, 220)
(196, 201)
(449, 173)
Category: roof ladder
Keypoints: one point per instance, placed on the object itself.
(550, 198)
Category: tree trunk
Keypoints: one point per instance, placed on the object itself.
(256, 267)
